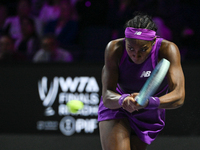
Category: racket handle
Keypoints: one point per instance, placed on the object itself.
(141, 101)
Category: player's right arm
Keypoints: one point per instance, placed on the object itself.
(110, 75)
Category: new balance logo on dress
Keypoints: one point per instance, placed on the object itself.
(145, 74)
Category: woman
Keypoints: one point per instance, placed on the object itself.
(29, 43)
(124, 124)
(64, 27)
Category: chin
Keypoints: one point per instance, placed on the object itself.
(139, 61)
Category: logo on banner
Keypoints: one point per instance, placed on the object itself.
(48, 96)
(62, 90)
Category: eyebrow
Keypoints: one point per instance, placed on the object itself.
(145, 46)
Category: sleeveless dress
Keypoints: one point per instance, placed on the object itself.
(146, 123)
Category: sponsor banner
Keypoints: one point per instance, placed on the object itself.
(35, 97)
(62, 90)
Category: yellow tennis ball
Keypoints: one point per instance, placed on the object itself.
(74, 106)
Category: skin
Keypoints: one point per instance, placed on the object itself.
(23, 8)
(6, 45)
(65, 13)
(49, 44)
(118, 131)
(27, 28)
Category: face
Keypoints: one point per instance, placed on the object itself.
(65, 10)
(6, 45)
(49, 44)
(27, 27)
(138, 50)
(23, 8)
(3, 13)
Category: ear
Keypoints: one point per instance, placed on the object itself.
(153, 41)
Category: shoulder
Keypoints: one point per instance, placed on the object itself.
(114, 49)
(167, 44)
(64, 55)
(168, 50)
(12, 19)
(39, 53)
(63, 52)
(116, 44)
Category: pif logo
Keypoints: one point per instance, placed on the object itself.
(69, 125)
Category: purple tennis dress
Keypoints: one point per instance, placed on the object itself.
(146, 123)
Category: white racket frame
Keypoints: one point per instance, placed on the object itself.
(153, 82)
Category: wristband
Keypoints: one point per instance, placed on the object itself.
(121, 99)
(154, 103)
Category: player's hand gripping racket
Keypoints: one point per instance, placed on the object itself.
(153, 82)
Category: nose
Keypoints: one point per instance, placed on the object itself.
(136, 54)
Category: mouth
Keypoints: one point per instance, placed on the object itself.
(137, 60)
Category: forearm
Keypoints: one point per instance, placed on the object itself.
(172, 100)
(110, 99)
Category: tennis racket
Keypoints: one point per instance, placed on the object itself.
(153, 82)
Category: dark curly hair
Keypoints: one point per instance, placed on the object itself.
(141, 20)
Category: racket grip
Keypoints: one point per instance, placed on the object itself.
(121, 99)
(141, 100)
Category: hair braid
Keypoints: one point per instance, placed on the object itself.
(141, 21)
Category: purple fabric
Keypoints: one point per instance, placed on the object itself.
(146, 123)
(132, 76)
(141, 34)
(121, 99)
(154, 103)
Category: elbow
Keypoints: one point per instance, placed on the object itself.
(180, 101)
(177, 104)
(106, 105)
(110, 103)
(105, 102)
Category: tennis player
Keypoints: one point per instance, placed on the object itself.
(129, 61)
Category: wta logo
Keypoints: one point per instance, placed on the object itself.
(65, 89)
(48, 96)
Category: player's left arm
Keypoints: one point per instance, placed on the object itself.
(176, 80)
